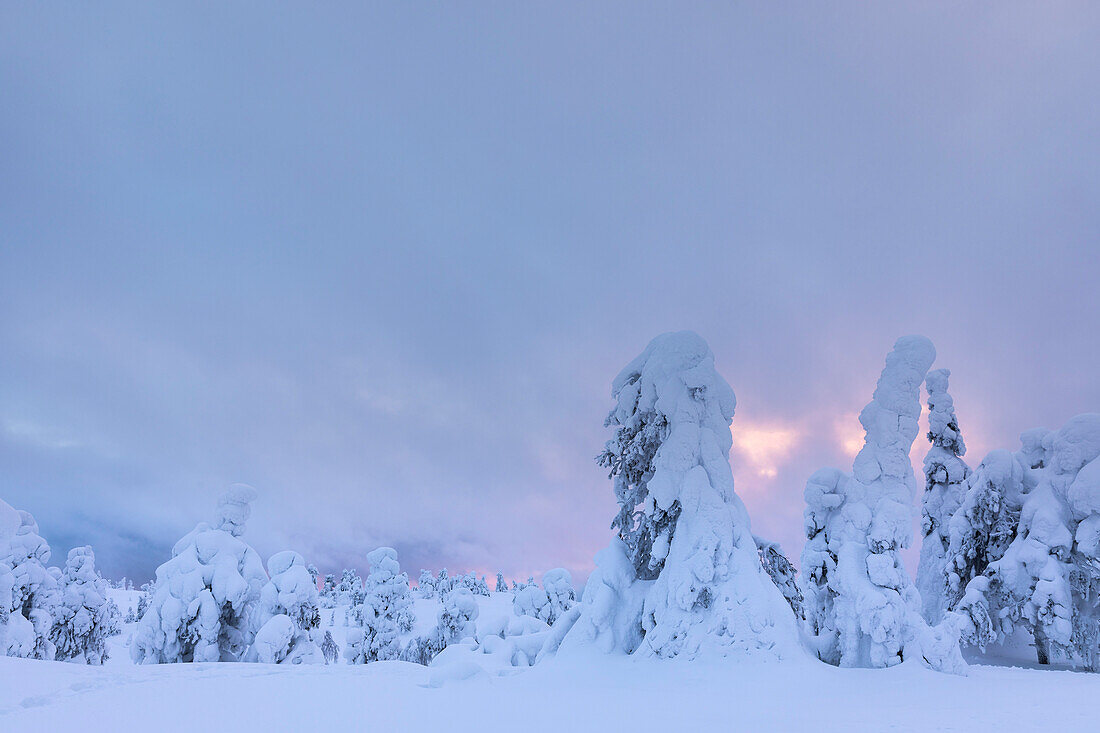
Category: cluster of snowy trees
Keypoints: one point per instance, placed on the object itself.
(48, 612)
(1010, 550)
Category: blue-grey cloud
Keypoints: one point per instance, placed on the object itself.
(383, 263)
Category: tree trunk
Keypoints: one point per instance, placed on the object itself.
(1042, 651)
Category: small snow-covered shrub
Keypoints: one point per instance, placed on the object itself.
(205, 595)
(456, 619)
(548, 603)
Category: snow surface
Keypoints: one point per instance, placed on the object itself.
(586, 693)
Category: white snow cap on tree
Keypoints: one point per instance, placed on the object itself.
(945, 489)
(862, 610)
(235, 507)
(81, 619)
(205, 595)
(683, 576)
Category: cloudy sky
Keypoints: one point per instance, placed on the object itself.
(383, 262)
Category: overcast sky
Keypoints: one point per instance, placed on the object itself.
(383, 262)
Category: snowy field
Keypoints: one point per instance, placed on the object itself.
(597, 692)
(604, 694)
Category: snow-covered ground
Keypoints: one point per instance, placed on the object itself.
(586, 692)
(600, 693)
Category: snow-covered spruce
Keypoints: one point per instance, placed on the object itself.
(349, 591)
(327, 595)
(384, 614)
(82, 619)
(425, 585)
(1048, 579)
(945, 475)
(290, 595)
(782, 572)
(979, 532)
(861, 608)
(683, 577)
(501, 586)
(29, 592)
(204, 597)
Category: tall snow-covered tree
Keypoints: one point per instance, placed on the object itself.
(385, 613)
(82, 619)
(945, 475)
(29, 591)
(861, 608)
(204, 597)
(682, 577)
(501, 586)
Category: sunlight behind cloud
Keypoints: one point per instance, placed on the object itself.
(764, 447)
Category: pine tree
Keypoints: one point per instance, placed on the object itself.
(944, 490)
(82, 620)
(667, 586)
(385, 612)
(861, 608)
(783, 574)
(205, 595)
(30, 592)
(502, 586)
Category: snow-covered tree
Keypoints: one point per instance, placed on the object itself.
(472, 583)
(1048, 578)
(328, 591)
(290, 594)
(314, 573)
(984, 524)
(329, 650)
(426, 584)
(145, 598)
(501, 586)
(349, 591)
(861, 608)
(82, 620)
(945, 475)
(548, 603)
(457, 617)
(783, 574)
(205, 595)
(444, 583)
(683, 575)
(29, 592)
(384, 614)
